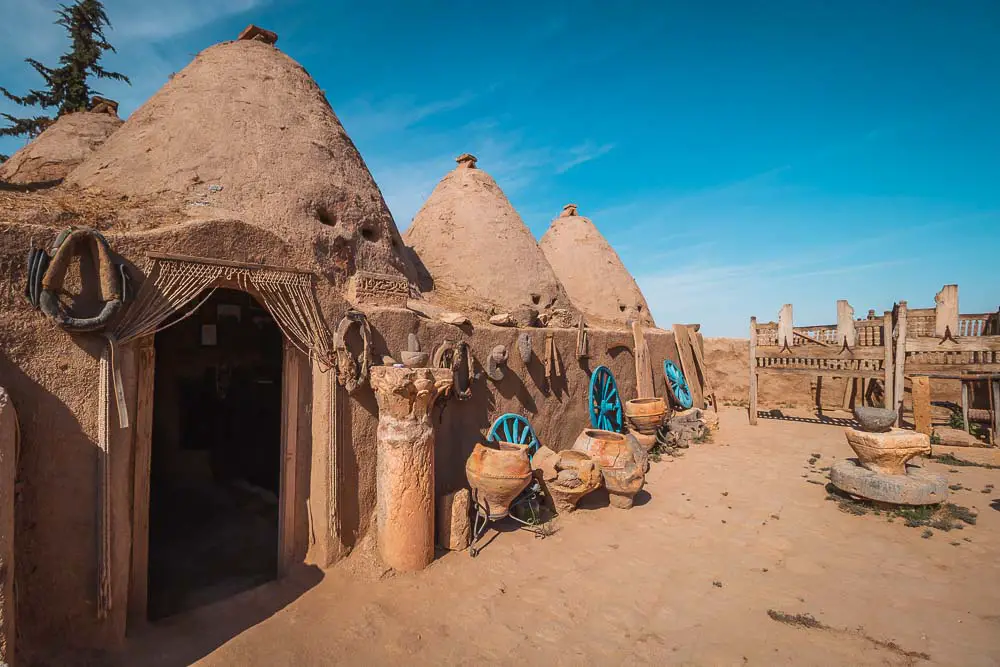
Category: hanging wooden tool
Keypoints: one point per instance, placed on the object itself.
(582, 344)
(552, 361)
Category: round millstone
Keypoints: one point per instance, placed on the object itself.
(916, 487)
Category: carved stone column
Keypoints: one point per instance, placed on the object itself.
(8, 468)
(405, 470)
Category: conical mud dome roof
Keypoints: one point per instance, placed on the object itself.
(60, 148)
(472, 244)
(597, 281)
(244, 131)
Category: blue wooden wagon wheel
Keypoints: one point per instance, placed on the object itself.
(514, 428)
(605, 404)
(678, 385)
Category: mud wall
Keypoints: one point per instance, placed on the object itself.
(557, 411)
(52, 379)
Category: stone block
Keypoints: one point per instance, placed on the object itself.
(453, 520)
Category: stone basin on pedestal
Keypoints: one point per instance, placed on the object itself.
(880, 472)
(405, 467)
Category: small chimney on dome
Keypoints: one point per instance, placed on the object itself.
(569, 210)
(466, 161)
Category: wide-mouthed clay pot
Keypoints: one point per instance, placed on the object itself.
(623, 474)
(566, 476)
(645, 415)
(497, 476)
(887, 453)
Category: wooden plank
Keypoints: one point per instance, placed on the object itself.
(965, 406)
(967, 344)
(683, 342)
(752, 399)
(699, 358)
(643, 367)
(921, 390)
(786, 333)
(916, 367)
(223, 262)
(289, 447)
(143, 449)
(887, 380)
(821, 352)
(946, 311)
(900, 363)
(821, 372)
(9, 446)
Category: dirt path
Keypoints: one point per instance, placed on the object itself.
(731, 530)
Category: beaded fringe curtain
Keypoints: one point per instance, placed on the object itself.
(172, 285)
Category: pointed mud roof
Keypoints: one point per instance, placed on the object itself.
(597, 281)
(474, 248)
(60, 148)
(244, 131)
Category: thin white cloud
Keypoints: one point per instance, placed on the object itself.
(584, 153)
(146, 19)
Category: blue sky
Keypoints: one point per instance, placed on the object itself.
(737, 155)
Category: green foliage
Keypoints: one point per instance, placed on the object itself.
(66, 87)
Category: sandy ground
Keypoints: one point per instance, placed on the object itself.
(727, 532)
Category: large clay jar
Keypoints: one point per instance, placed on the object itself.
(497, 476)
(623, 474)
(566, 476)
(645, 415)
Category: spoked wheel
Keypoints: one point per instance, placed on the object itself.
(605, 404)
(678, 385)
(514, 428)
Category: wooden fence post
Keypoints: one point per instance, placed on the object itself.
(946, 311)
(753, 371)
(900, 365)
(890, 378)
(786, 334)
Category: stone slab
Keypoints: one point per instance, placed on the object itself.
(916, 487)
(453, 520)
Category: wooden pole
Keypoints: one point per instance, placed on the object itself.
(889, 375)
(995, 396)
(900, 365)
(965, 405)
(643, 369)
(753, 371)
(8, 474)
(922, 404)
(143, 447)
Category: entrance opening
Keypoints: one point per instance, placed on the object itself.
(216, 455)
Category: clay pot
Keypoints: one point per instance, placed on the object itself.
(623, 474)
(566, 476)
(497, 476)
(640, 450)
(645, 414)
(875, 420)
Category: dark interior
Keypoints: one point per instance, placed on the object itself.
(216, 453)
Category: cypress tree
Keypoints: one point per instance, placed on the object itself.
(66, 88)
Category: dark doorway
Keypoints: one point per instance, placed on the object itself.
(216, 455)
